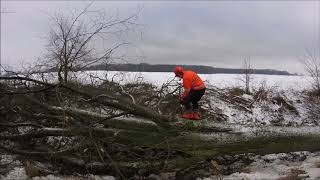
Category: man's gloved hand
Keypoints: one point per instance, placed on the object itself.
(183, 97)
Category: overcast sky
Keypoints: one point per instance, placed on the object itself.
(214, 33)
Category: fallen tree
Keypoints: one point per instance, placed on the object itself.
(99, 129)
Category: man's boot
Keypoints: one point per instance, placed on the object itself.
(195, 115)
(187, 115)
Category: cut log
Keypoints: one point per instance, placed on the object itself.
(242, 139)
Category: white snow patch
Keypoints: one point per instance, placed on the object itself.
(275, 166)
(5, 159)
(18, 173)
(254, 176)
(314, 173)
(95, 177)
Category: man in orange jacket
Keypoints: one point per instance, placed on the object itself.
(194, 89)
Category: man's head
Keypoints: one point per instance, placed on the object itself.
(178, 71)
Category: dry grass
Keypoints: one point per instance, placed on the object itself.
(236, 91)
(282, 101)
(261, 94)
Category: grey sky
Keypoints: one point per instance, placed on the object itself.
(214, 33)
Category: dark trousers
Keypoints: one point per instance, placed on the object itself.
(193, 98)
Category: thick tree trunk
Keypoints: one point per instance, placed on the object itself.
(241, 139)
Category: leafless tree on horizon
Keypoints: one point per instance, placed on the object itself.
(311, 62)
(73, 39)
(246, 77)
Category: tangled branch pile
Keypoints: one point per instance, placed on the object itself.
(124, 130)
(107, 128)
(93, 125)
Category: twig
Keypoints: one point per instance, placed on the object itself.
(113, 116)
(126, 93)
(27, 92)
(13, 125)
(108, 156)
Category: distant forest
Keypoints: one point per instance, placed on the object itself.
(143, 67)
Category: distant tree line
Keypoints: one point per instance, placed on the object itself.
(144, 67)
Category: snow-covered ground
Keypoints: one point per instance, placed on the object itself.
(231, 80)
(18, 172)
(282, 166)
(267, 111)
(219, 80)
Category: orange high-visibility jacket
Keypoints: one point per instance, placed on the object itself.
(191, 80)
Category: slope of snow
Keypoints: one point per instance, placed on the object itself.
(266, 112)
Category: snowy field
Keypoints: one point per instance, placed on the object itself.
(224, 80)
(279, 82)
